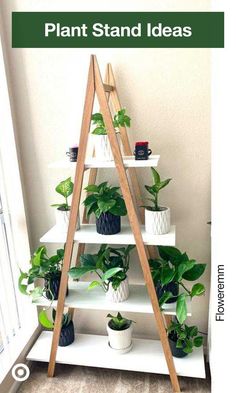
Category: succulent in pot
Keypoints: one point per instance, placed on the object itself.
(42, 267)
(119, 331)
(67, 334)
(157, 218)
(169, 273)
(108, 206)
(62, 213)
(101, 142)
(183, 339)
(111, 266)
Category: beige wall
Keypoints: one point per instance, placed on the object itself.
(167, 94)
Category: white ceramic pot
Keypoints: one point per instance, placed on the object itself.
(157, 222)
(62, 220)
(102, 148)
(119, 295)
(120, 339)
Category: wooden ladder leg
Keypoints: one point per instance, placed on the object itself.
(134, 223)
(78, 183)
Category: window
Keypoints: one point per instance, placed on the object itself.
(18, 317)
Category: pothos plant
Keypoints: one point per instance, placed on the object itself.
(64, 188)
(186, 337)
(120, 119)
(104, 198)
(41, 266)
(109, 264)
(176, 267)
(154, 190)
(119, 322)
(49, 324)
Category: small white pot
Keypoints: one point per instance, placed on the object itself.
(62, 220)
(157, 222)
(120, 339)
(102, 148)
(121, 294)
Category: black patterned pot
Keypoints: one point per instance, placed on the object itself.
(176, 352)
(108, 224)
(52, 285)
(67, 335)
(172, 287)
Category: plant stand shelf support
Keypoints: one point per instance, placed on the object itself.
(96, 85)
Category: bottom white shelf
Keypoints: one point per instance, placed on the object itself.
(93, 351)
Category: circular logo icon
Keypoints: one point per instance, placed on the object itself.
(20, 372)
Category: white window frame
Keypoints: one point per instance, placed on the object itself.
(26, 321)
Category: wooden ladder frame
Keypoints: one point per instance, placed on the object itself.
(96, 85)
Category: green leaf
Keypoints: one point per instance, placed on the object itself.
(65, 187)
(36, 293)
(119, 209)
(78, 272)
(94, 284)
(184, 267)
(196, 272)
(90, 200)
(105, 206)
(110, 273)
(167, 275)
(92, 188)
(163, 299)
(193, 331)
(38, 255)
(155, 176)
(22, 287)
(97, 117)
(179, 343)
(44, 321)
(100, 131)
(87, 260)
(169, 253)
(181, 308)
(163, 184)
(150, 190)
(197, 290)
(198, 341)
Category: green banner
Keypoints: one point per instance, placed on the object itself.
(117, 29)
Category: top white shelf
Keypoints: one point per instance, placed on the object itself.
(129, 162)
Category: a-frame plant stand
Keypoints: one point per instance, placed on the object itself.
(130, 189)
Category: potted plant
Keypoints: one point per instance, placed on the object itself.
(101, 142)
(157, 218)
(42, 267)
(111, 266)
(67, 335)
(108, 206)
(62, 213)
(183, 339)
(169, 273)
(119, 331)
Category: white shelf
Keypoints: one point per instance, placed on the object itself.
(129, 162)
(88, 234)
(95, 299)
(93, 351)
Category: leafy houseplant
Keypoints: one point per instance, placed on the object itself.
(108, 206)
(46, 268)
(111, 266)
(183, 339)
(67, 335)
(120, 333)
(101, 142)
(169, 273)
(157, 218)
(64, 188)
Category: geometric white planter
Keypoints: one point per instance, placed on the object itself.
(120, 339)
(119, 295)
(157, 222)
(102, 148)
(62, 220)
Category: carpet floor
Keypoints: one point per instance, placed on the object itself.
(75, 379)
